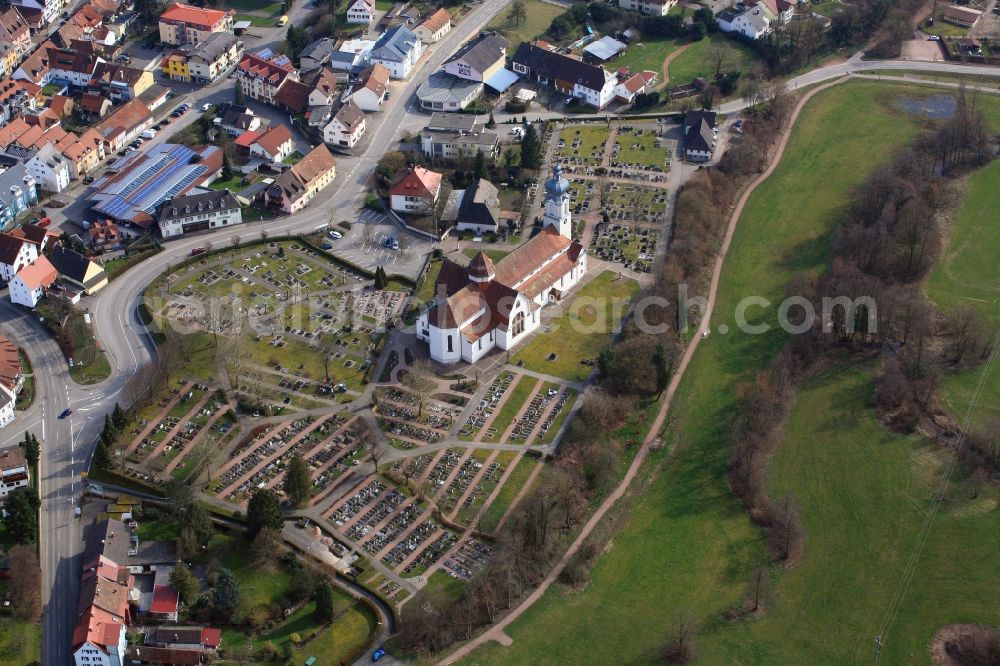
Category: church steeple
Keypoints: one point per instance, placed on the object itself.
(557, 212)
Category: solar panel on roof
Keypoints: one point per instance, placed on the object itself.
(264, 53)
(282, 61)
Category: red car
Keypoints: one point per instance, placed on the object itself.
(45, 221)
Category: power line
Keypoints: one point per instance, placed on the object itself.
(939, 493)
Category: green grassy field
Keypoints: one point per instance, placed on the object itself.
(966, 275)
(688, 544)
(20, 642)
(648, 54)
(540, 15)
(694, 61)
(581, 332)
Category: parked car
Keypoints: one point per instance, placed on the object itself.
(65, 413)
(378, 654)
(198, 250)
(45, 221)
(206, 107)
(335, 235)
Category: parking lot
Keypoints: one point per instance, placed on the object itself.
(365, 246)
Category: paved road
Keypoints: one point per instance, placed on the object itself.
(68, 443)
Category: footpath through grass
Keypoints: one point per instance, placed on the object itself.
(688, 543)
(966, 275)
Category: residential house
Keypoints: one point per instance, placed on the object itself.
(44, 11)
(636, 84)
(8, 59)
(351, 58)
(61, 105)
(648, 7)
(43, 239)
(35, 68)
(11, 373)
(370, 90)
(212, 58)
(316, 54)
(965, 17)
(297, 186)
(444, 92)
(31, 282)
(18, 193)
(239, 119)
(104, 235)
(750, 22)
(13, 470)
(185, 24)
(456, 136)
(185, 638)
(86, 153)
(293, 97)
(591, 84)
(103, 609)
(79, 270)
(94, 107)
(73, 68)
(434, 27)
(480, 59)
(50, 169)
(361, 11)
(262, 75)
(7, 400)
(273, 145)
(120, 83)
(479, 210)
(780, 11)
(14, 30)
(699, 135)
(347, 126)
(17, 98)
(398, 50)
(124, 124)
(175, 66)
(191, 213)
(415, 190)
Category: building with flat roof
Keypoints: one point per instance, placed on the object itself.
(444, 92)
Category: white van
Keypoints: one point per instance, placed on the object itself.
(148, 134)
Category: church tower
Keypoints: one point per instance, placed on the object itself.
(557, 204)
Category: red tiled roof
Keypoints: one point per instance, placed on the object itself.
(164, 599)
(196, 16)
(246, 139)
(40, 273)
(530, 255)
(437, 20)
(416, 182)
(317, 162)
(211, 637)
(274, 138)
(10, 362)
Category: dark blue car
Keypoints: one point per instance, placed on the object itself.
(378, 654)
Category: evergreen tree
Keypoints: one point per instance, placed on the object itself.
(31, 449)
(492, 122)
(380, 278)
(21, 520)
(479, 166)
(263, 510)
(200, 521)
(239, 98)
(298, 484)
(531, 148)
(324, 602)
(118, 417)
(226, 592)
(182, 580)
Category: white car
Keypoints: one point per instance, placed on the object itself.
(206, 107)
(335, 235)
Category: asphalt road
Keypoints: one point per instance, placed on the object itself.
(68, 443)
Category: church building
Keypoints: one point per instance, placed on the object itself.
(483, 306)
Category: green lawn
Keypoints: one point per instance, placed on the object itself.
(494, 255)
(254, 6)
(827, 8)
(540, 15)
(511, 406)
(426, 290)
(258, 21)
(688, 543)
(648, 54)
(582, 332)
(971, 78)
(20, 642)
(943, 28)
(233, 183)
(694, 61)
(966, 275)
(516, 480)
